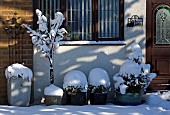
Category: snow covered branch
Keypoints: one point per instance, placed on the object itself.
(47, 39)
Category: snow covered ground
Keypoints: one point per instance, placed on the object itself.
(156, 104)
(109, 109)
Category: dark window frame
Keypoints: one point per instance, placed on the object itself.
(94, 19)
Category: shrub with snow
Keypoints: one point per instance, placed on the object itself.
(99, 81)
(18, 70)
(75, 81)
(134, 76)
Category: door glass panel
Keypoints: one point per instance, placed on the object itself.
(162, 25)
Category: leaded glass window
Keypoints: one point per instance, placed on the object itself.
(162, 25)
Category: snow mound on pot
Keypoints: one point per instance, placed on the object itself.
(98, 76)
(53, 90)
(18, 70)
(129, 68)
(75, 78)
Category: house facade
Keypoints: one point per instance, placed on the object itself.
(100, 33)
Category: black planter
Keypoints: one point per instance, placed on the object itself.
(128, 99)
(79, 98)
(66, 98)
(98, 98)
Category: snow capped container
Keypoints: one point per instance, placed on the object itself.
(18, 85)
(133, 78)
(75, 86)
(75, 79)
(53, 95)
(99, 85)
(98, 77)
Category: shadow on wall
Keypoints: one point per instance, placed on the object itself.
(83, 58)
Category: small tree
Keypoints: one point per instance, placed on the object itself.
(47, 38)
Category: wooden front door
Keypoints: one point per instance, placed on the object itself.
(158, 42)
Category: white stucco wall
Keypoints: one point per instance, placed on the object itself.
(138, 33)
(87, 57)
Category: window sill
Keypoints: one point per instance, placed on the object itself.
(92, 43)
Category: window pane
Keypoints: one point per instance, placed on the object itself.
(108, 18)
(49, 7)
(162, 25)
(79, 19)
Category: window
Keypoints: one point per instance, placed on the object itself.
(92, 20)
(162, 25)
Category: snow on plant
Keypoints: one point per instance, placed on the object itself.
(99, 81)
(18, 70)
(47, 39)
(75, 81)
(134, 76)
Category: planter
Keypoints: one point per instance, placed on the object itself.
(53, 100)
(128, 99)
(98, 98)
(65, 99)
(19, 91)
(79, 98)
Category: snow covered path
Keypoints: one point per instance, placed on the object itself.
(108, 109)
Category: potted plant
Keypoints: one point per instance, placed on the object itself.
(133, 78)
(18, 84)
(75, 86)
(53, 95)
(47, 38)
(99, 85)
